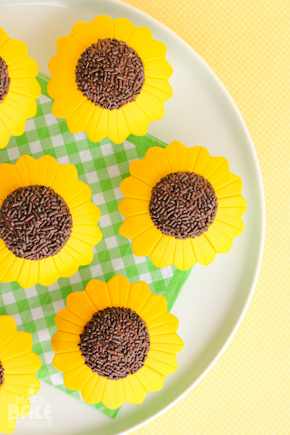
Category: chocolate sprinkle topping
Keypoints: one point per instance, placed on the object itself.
(1, 375)
(35, 222)
(115, 343)
(183, 205)
(110, 74)
(4, 79)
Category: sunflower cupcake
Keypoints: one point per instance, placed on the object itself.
(181, 205)
(109, 79)
(18, 87)
(48, 224)
(115, 342)
(18, 365)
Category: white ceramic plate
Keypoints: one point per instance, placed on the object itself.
(215, 298)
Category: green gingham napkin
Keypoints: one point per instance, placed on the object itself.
(102, 166)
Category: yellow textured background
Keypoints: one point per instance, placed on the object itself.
(247, 43)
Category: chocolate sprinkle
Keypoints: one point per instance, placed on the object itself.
(4, 79)
(183, 205)
(1, 375)
(35, 222)
(115, 343)
(110, 74)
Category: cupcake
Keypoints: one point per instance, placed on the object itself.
(109, 79)
(18, 365)
(18, 87)
(48, 225)
(181, 205)
(115, 342)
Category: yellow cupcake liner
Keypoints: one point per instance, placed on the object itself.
(82, 115)
(20, 365)
(165, 250)
(78, 251)
(164, 342)
(19, 104)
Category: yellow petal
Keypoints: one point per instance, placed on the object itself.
(136, 189)
(103, 27)
(157, 158)
(132, 207)
(88, 233)
(9, 181)
(220, 242)
(22, 103)
(68, 316)
(4, 135)
(143, 171)
(139, 37)
(65, 362)
(128, 391)
(99, 295)
(23, 68)
(70, 46)
(138, 389)
(13, 51)
(167, 358)
(136, 118)
(65, 178)
(135, 225)
(123, 29)
(102, 124)
(170, 343)
(63, 323)
(28, 363)
(202, 160)
(178, 259)
(12, 273)
(113, 395)
(144, 243)
(79, 119)
(118, 129)
(231, 226)
(77, 377)
(28, 86)
(95, 394)
(152, 50)
(13, 120)
(80, 304)
(203, 249)
(159, 88)
(157, 68)
(3, 36)
(29, 273)
(48, 169)
(188, 255)
(7, 327)
(66, 104)
(163, 253)
(6, 261)
(228, 185)
(215, 168)
(154, 306)
(160, 367)
(163, 323)
(84, 256)
(192, 157)
(116, 286)
(63, 342)
(139, 294)
(176, 154)
(58, 69)
(150, 105)
(150, 380)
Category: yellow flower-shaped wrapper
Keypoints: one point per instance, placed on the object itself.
(79, 113)
(19, 104)
(20, 365)
(78, 251)
(164, 342)
(165, 250)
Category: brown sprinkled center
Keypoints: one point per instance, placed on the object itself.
(1, 375)
(35, 222)
(4, 79)
(183, 205)
(110, 74)
(115, 343)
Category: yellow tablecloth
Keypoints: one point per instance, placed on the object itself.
(247, 43)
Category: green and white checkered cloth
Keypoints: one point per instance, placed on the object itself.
(102, 166)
